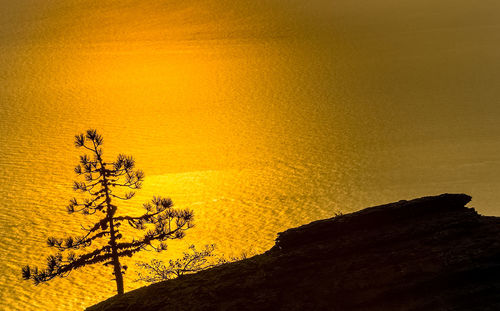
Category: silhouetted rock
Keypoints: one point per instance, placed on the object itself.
(431, 253)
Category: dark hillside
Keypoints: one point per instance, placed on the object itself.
(431, 253)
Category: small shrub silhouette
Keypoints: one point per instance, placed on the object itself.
(192, 261)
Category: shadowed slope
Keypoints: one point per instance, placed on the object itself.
(431, 253)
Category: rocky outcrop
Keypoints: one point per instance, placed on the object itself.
(432, 253)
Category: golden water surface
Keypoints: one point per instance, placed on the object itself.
(259, 115)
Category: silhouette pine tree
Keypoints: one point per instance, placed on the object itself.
(160, 222)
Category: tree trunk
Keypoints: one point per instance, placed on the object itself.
(119, 280)
(117, 268)
(116, 261)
